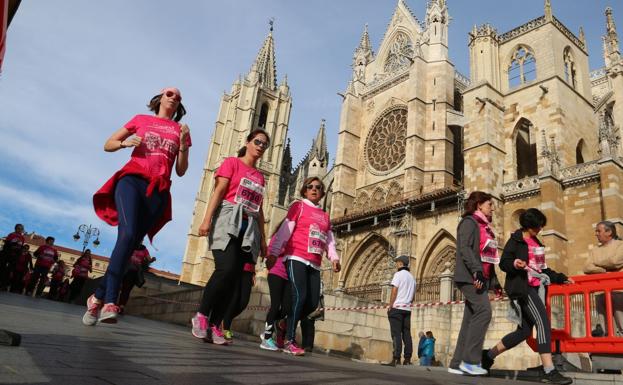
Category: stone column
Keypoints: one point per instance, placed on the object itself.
(445, 284)
(555, 233)
(386, 291)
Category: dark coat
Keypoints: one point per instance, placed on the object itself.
(468, 260)
(516, 285)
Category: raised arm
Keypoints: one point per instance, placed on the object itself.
(121, 139)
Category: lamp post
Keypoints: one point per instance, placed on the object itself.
(88, 231)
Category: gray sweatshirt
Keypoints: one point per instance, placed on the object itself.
(227, 223)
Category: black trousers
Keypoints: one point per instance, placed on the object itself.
(280, 299)
(400, 328)
(76, 287)
(305, 288)
(533, 314)
(240, 298)
(220, 288)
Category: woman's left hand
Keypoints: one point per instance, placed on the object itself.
(569, 281)
(263, 249)
(336, 266)
(184, 132)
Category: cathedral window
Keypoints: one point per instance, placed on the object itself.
(400, 53)
(385, 146)
(580, 149)
(570, 72)
(522, 68)
(457, 154)
(525, 147)
(261, 123)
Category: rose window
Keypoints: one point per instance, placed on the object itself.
(385, 147)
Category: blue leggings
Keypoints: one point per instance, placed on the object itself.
(137, 214)
(305, 290)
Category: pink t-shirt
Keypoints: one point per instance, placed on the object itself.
(159, 144)
(46, 256)
(246, 184)
(16, 240)
(81, 268)
(279, 269)
(536, 260)
(58, 273)
(305, 233)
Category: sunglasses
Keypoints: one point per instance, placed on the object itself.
(171, 94)
(260, 143)
(314, 187)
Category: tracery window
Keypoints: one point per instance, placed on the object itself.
(570, 72)
(400, 53)
(385, 146)
(522, 68)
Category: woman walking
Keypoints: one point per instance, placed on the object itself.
(527, 277)
(137, 198)
(234, 225)
(80, 273)
(476, 257)
(303, 237)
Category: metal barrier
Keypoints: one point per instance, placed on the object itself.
(575, 311)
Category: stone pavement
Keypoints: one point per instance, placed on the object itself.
(57, 349)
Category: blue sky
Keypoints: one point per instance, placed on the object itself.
(76, 70)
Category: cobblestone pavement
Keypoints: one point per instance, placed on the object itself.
(56, 348)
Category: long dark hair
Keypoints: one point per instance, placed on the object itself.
(154, 105)
(243, 151)
(475, 198)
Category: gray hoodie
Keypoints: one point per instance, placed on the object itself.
(227, 223)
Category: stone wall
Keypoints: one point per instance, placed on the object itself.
(358, 334)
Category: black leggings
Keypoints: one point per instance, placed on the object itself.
(305, 287)
(532, 314)
(280, 298)
(220, 288)
(240, 299)
(75, 288)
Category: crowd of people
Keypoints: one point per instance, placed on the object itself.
(137, 199)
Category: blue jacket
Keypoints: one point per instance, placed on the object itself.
(428, 350)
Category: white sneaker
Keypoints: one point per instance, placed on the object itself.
(473, 369)
(455, 371)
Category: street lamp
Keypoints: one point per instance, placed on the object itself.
(88, 231)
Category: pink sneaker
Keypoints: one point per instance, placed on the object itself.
(109, 313)
(200, 325)
(217, 336)
(292, 348)
(281, 334)
(93, 309)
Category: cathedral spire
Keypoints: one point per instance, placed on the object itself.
(364, 43)
(264, 64)
(548, 10)
(319, 148)
(611, 40)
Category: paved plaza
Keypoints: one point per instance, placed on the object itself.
(57, 349)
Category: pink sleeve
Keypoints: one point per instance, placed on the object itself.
(282, 236)
(331, 251)
(133, 124)
(226, 170)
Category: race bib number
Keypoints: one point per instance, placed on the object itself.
(250, 194)
(491, 244)
(317, 240)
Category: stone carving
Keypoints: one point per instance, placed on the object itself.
(550, 154)
(580, 171)
(378, 197)
(609, 139)
(385, 146)
(568, 33)
(529, 26)
(395, 193)
(521, 187)
(400, 53)
(598, 73)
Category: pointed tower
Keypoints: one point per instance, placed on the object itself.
(362, 56)
(437, 29)
(255, 101)
(613, 52)
(319, 154)
(484, 55)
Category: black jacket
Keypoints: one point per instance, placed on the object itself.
(516, 285)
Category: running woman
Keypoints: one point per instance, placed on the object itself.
(523, 261)
(234, 225)
(80, 273)
(280, 297)
(10, 253)
(56, 280)
(304, 236)
(137, 197)
(22, 267)
(47, 256)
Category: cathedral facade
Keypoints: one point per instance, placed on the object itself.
(531, 124)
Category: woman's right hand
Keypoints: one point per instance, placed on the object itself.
(519, 264)
(204, 228)
(132, 141)
(270, 261)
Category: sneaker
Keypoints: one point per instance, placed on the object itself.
(292, 348)
(455, 371)
(121, 309)
(217, 336)
(407, 361)
(554, 377)
(109, 313)
(268, 344)
(281, 334)
(486, 361)
(229, 336)
(92, 314)
(199, 326)
(472, 369)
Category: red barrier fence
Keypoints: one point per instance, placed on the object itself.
(576, 309)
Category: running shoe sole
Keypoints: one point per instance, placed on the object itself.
(455, 371)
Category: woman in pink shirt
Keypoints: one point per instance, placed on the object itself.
(137, 197)
(234, 225)
(80, 273)
(304, 236)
